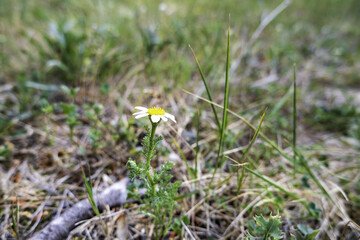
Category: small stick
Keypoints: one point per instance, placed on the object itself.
(60, 227)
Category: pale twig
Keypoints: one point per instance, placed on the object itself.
(60, 227)
(188, 230)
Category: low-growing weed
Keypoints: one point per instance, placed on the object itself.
(304, 232)
(70, 110)
(91, 114)
(262, 229)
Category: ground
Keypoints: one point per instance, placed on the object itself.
(136, 53)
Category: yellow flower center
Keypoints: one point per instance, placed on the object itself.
(156, 111)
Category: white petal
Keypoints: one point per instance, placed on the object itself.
(163, 118)
(141, 115)
(141, 112)
(170, 116)
(141, 108)
(155, 118)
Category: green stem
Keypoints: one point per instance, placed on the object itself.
(165, 230)
(152, 184)
(148, 158)
(71, 135)
(151, 143)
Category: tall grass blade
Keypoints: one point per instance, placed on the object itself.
(207, 89)
(226, 101)
(280, 103)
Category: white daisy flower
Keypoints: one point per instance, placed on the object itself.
(156, 114)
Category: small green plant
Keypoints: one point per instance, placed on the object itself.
(5, 152)
(304, 232)
(92, 115)
(92, 111)
(70, 110)
(314, 210)
(47, 109)
(160, 191)
(67, 41)
(262, 229)
(89, 190)
(341, 119)
(178, 223)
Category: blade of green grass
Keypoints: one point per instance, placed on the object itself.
(312, 175)
(207, 89)
(224, 118)
(294, 123)
(89, 190)
(243, 157)
(272, 183)
(280, 103)
(253, 138)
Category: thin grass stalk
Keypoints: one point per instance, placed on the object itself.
(294, 123)
(207, 89)
(197, 142)
(240, 180)
(226, 101)
(312, 175)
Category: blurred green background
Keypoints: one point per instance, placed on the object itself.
(69, 41)
(81, 42)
